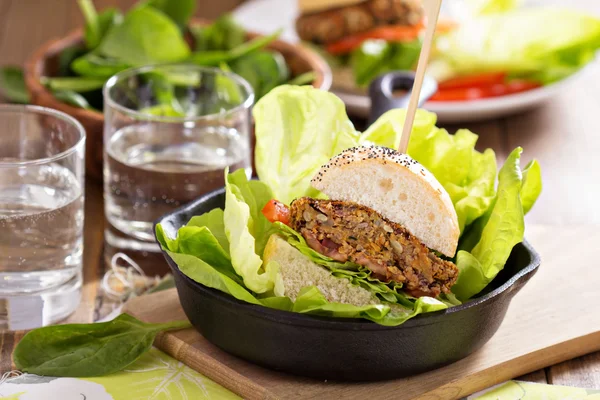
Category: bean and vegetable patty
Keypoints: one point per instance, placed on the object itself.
(347, 231)
(332, 25)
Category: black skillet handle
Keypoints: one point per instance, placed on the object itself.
(382, 88)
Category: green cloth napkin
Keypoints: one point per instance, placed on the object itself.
(155, 376)
(158, 376)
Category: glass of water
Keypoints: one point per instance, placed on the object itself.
(169, 133)
(41, 215)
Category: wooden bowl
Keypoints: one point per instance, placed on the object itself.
(44, 62)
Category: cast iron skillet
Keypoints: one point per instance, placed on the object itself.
(341, 348)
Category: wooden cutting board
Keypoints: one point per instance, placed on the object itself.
(555, 317)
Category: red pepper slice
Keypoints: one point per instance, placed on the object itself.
(276, 211)
(483, 92)
(469, 81)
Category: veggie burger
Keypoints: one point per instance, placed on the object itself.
(362, 38)
(337, 23)
(385, 213)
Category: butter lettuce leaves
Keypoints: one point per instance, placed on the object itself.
(498, 231)
(298, 129)
(543, 44)
(247, 230)
(484, 7)
(311, 300)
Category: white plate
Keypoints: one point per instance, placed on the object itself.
(468, 111)
(477, 110)
(265, 16)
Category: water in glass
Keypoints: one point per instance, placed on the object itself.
(151, 170)
(41, 226)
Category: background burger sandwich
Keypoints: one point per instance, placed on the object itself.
(362, 38)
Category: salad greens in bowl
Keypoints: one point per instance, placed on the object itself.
(68, 74)
(217, 248)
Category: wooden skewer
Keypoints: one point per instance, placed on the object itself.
(432, 11)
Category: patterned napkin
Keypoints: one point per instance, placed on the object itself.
(518, 390)
(157, 376)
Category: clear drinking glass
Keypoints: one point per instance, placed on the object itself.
(169, 133)
(41, 214)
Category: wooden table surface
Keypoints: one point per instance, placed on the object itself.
(562, 135)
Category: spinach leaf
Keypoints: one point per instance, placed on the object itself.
(75, 83)
(96, 25)
(94, 65)
(264, 70)
(83, 350)
(253, 45)
(247, 71)
(210, 58)
(223, 34)
(12, 85)
(306, 78)
(72, 98)
(92, 25)
(106, 20)
(65, 59)
(179, 11)
(217, 57)
(146, 36)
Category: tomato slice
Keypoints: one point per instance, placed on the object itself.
(469, 81)
(482, 92)
(445, 25)
(276, 211)
(391, 33)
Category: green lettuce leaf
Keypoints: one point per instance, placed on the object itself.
(484, 7)
(298, 129)
(207, 275)
(375, 57)
(542, 44)
(532, 185)
(311, 300)
(213, 220)
(298, 241)
(165, 242)
(200, 242)
(503, 228)
(247, 230)
(506, 225)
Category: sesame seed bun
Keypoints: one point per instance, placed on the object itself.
(397, 187)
